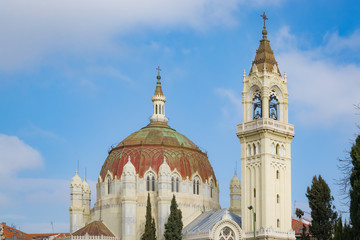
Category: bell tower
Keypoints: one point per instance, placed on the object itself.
(265, 136)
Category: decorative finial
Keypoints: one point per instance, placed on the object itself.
(164, 159)
(129, 159)
(264, 32)
(158, 76)
(264, 17)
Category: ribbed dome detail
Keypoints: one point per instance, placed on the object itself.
(148, 147)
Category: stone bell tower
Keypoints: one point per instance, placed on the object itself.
(265, 136)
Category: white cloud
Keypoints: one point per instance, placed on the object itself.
(336, 43)
(323, 89)
(16, 155)
(32, 30)
(232, 112)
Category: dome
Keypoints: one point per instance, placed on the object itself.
(76, 180)
(148, 147)
(86, 186)
(235, 180)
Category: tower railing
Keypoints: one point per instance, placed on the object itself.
(265, 123)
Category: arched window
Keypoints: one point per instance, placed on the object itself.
(277, 198)
(153, 183)
(277, 174)
(172, 184)
(254, 192)
(273, 148)
(249, 149)
(277, 149)
(150, 182)
(196, 186)
(109, 185)
(259, 148)
(163, 111)
(156, 109)
(257, 106)
(273, 107)
(254, 149)
(226, 234)
(278, 223)
(177, 184)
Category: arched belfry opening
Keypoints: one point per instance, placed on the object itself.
(257, 106)
(273, 107)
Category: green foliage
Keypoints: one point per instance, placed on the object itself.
(342, 232)
(322, 210)
(150, 229)
(174, 224)
(355, 189)
(304, 235)
(299, 213)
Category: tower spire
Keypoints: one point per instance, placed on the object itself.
(158, 100)
(264, 61)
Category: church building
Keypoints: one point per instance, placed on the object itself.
(160, 161)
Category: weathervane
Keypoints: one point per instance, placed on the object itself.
(264, 17)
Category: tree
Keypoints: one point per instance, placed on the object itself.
(304, 235)
(299, 213)
(342, 231)
(322, 210)
(174, 224)
(150, 229)
(355, 189)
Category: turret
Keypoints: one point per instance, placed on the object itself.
(235, 195)
(76, 206)
(164, 198)
(128, 200)
(86, 201)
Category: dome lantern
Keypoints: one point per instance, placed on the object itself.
(158, 100)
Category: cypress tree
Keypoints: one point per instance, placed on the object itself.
(150, 229)
(174, 224)
(338, 230)
(322, 213)
(355, 189)
(304, 235)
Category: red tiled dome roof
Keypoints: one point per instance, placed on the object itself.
(147, 148)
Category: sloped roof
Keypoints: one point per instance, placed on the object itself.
(96, 228)
(207, 221)
(265, 56)
(9, 232)
(158, 89)
(297, 226)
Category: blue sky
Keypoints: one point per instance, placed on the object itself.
(77, 77)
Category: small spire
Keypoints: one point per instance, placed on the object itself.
(129, 159)
(158, 100)
(264, 61)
